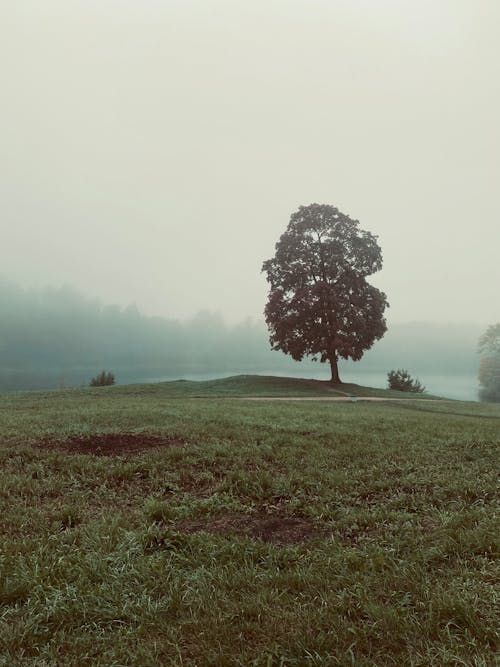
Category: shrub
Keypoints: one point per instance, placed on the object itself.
(403, 381)
(104, 379)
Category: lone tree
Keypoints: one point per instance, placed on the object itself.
(489, 368)
(320, 304)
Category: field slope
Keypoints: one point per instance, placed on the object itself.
(141, 525)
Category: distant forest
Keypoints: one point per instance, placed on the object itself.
(51, 338)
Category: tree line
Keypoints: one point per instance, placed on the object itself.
(55, 337)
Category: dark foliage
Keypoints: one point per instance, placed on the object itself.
(320, 303)
(104, 379)
(401, 380)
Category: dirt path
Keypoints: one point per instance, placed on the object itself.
(343, 399)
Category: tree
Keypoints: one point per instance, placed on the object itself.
(401, 380)
(104, 379)
(489, 368)
(320, 304)
(489, 343)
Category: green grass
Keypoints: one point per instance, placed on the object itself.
(253, 386)
(97, 566)
(269, 386)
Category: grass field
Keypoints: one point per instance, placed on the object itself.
(141, 526)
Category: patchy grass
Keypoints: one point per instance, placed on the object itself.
(272, 527)
(111, 444)
(269, 534)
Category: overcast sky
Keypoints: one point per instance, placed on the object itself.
(153, 151)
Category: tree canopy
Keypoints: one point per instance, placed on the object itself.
(320, 303)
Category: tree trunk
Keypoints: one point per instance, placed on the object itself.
(335, 370)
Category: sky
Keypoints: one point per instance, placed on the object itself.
(153, 151)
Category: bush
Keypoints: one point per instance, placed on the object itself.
(104, 379)
(403, 381)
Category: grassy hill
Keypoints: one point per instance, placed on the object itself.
(271, 386)
(241, 386)
(142, 528)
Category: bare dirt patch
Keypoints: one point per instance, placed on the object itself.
(277, 529)
(113, 444)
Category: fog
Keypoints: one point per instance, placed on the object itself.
(152, 152)
(56, 338)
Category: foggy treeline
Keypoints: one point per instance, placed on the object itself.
(52, 338)
(55, 337)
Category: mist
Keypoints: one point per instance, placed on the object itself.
(152, 152)
(58, 338)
